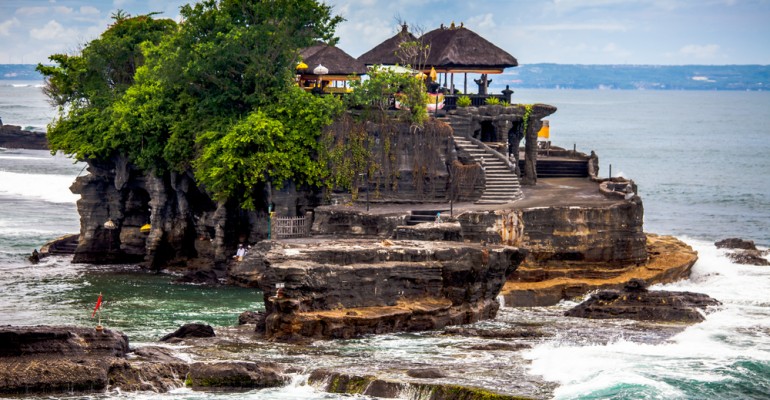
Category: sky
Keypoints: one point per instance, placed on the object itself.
(660, 32)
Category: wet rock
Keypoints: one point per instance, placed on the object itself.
(256, 318)
(189, 331)
(157, 372)
(427, 373)
(749, 257)
(200, 277)
(57, 358)
(235, 374)
(736, 243)
(368, 385)
(65, 341)
(635, 285)
(155, 354)
(501, 346)
(507, 333)
(45, 374)
(658, 305)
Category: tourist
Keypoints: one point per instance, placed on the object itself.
(240, 253)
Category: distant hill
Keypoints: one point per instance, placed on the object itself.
(572, 76)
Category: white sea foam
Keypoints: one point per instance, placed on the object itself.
(701, 352)
(52, 188)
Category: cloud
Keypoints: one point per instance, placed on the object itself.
(51, 30)
(605, 27)
(62, 10)
(482, 21)
(5, 26)
(699, 51)
(31, 10)
(89, 10)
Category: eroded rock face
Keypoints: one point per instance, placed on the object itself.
(635, 302)
(345, 288)
(606, 234)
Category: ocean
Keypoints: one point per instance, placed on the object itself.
(699, 158)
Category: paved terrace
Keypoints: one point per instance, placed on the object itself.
(549, 192)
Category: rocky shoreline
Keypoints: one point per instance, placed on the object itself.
(14, 137)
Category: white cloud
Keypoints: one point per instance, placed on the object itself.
(31, 10)
(5, 26)
(482, 21)
(51, 30)
(699, 51)
(605, 27)
(62, 10)
(89, 10)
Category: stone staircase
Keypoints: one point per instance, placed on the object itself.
(420, 216)
(502, 185)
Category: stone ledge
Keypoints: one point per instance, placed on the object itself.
(669, 260)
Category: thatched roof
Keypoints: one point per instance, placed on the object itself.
(458, 49)
(387, 52)
(337, 61)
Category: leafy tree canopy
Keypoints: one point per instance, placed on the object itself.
(214, 93)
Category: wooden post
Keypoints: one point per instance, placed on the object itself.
(452, 82)
(465, 85)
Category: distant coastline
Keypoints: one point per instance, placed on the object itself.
(578, 76)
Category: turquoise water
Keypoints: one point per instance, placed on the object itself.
(700, 159)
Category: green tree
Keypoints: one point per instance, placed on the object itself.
(85, 86)
(203, 95)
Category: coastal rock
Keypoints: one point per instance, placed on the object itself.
(749, 257)
(426, 373)
(346, 288)
(736, 243)
(510, 333)
(253, 317)
(65, 341)
(57, 358)
(544, 284)
(369, 385)
(235, 374)
(194, 330)
(199, 277)
(152, 371)
(644, 305)
(13, 137)
(49, 374)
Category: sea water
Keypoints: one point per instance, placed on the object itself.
(699, 158)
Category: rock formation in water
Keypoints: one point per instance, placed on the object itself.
(347, 288)
(57, 359)
(636, 302)
(13, 137)
(743, 251)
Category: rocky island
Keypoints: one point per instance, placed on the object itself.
(360, 218)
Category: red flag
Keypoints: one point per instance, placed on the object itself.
(98, 304)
